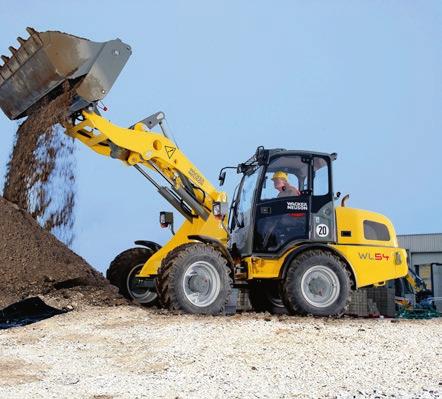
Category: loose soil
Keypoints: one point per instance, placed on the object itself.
(34, 262)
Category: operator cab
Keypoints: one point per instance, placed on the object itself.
(266, 220)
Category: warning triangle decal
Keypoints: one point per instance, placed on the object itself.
(169, 151)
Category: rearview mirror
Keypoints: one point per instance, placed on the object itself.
(222, 177)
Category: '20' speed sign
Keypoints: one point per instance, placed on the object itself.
(322, 230)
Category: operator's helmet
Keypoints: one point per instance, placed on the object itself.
(280, 175)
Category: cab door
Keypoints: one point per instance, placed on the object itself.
(282, 214)
(304, 211)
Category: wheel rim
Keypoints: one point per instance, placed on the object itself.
(201, 284)
(320, 286)
(135, 290)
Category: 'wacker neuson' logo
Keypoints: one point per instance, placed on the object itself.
(297, 206)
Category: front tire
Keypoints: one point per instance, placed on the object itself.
(194, 278)
(317, 283)
(122, 273)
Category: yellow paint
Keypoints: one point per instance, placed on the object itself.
(144, 145)
(374, 264)
(372, 261)
(211, 227)
(351, 219)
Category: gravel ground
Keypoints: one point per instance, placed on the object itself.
(130, 352)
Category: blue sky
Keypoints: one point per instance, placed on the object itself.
(360, 78)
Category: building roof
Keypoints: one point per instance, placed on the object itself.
(421, 242)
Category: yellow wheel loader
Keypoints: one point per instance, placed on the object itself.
(283, 238)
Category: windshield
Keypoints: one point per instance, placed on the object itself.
(243, 204)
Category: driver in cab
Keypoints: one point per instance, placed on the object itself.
(275, 229)
(281, 183)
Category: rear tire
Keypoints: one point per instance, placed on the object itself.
(194, 278)
(317, 283)
(265, 296)
(122, 272)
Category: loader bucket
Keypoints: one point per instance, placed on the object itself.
(44, 61)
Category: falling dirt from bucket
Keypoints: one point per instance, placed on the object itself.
(40, 175)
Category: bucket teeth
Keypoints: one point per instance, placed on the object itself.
(5, 59)
(35, 35)
(21, 40)
(31, 31)
(13, 50)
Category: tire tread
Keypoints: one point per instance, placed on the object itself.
(299, 260)
(169, 268)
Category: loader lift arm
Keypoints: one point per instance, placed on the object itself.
(190, 192)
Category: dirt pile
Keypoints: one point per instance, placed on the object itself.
(40, 174)
(34, 262)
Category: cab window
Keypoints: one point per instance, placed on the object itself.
(320, 177)
(286, 176)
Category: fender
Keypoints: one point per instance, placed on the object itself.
(306, 247)
(149, 244)
(216, 243)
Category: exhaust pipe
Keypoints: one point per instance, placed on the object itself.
(44, 61)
